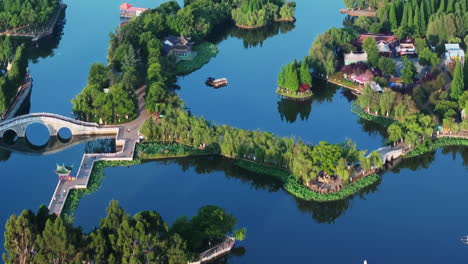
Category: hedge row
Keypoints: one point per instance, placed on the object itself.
(433, 145)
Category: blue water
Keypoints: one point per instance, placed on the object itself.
(412, 216)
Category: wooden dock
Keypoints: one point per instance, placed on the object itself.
(216, 251)
(35, 36)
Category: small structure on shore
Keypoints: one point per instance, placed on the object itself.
(129, 11)
(453, 52)
(63, 172)
(350, 58)
(181, 46)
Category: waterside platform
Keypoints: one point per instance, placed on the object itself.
(216, 251)
(359, 12)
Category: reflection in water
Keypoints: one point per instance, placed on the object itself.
(373, 128)
(45, 47)
(328, 212)
(4, 154)
(322, 212)
(251, 37)
(104, 145)
(289, 110)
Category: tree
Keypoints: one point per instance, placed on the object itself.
(395, 132)
(409, 71)
(20, 238)
(465, 72)
(240, 234)
(387, 65)
(393, 18)
(370, 47)
(306, 77)
(97, 75)
(457, 86)
(325, 157)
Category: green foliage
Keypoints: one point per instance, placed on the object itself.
(457, 87)
(155, 150)
(257, 13)
(289, 77)
(370, 47)
(328, 48)
(15, 77)
(205, 51)
(240, 234)
(432, 145)
(119, 238)
(386, 65)
(409, 71)
(20, 13)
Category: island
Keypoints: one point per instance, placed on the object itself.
(295, 81)
(121, 238)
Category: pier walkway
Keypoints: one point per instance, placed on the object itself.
(27, 32)
(216, 251)
(127, 138)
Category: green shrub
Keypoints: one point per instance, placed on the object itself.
(433, 145)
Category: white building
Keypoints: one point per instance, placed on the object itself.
(454, 52)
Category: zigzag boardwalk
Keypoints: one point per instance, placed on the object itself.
(127, 137)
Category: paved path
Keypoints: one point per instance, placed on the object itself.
(127, 138)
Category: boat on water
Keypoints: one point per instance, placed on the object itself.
(464, 240)
(216, 83)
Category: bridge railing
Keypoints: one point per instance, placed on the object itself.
(19, 119)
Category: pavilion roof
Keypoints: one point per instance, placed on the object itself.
(62, 169)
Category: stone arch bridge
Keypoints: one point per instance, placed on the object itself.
(54, 123)
(390, 153)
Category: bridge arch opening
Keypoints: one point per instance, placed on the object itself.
(37, 135)
(10, 137)
(64, 135)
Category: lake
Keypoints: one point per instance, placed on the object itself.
(416, 214)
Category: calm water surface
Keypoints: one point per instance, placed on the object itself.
(415, 215)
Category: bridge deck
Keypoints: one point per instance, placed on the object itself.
(216, 251)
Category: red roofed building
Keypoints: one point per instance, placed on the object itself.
(387, 39)
(129, 11)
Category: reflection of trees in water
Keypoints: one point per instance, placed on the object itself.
(289, 110)
(373, 128)
(416, 163)
(454, 150)
(251, 37)
(46, 46)
(4, 155)
(322, 212)
(105, 145)
(210, 164)
(256, 37)
(328, 212)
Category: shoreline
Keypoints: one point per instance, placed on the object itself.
(300, 96)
